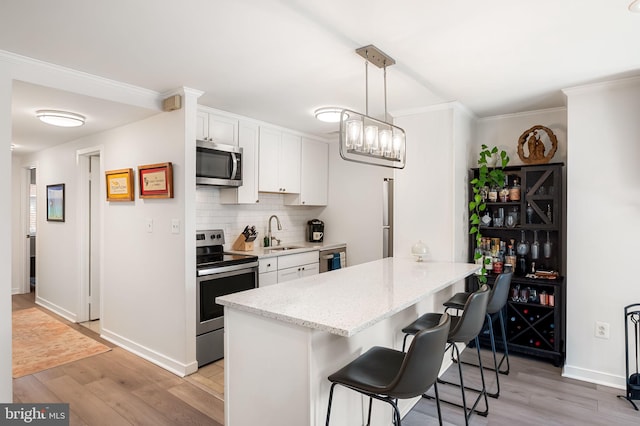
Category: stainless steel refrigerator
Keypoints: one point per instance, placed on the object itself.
(387, 217)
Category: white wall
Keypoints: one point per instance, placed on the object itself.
(147, 285)
(431, 190)
(17, 230)
(603, 230)
(503, 131)
(6, 383)
(144, 273)
(354, 211)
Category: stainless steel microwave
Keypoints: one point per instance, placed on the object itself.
(218, 164)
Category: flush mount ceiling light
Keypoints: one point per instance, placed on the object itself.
(329, 114)
(364, 139)
(635, 6)
(60, 118)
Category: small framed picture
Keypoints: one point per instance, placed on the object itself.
(156, 180)
(55, 202)
(120, 185)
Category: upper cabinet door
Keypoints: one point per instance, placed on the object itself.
(314, 175)
(202, 126)
(269, 160)
(216, 127)
(289, 170)
(248, 192)
(223, 129)
(279, 161)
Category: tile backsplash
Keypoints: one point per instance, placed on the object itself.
(231, 218)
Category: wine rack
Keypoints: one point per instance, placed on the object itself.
(535, 325)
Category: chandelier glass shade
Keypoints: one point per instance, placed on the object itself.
(365, 139)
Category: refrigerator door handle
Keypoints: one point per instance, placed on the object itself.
(387, 218)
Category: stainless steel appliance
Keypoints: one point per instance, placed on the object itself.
(387, 217)
(218, 273)
(315, 231)
(218, 164)
(333, 258)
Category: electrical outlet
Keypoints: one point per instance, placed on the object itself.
(175, 226)
(602, 330)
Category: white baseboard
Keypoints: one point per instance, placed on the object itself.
(68, 315)
(592, 376)
(150, 355)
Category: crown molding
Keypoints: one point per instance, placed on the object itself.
(43, 73)
(523, 114)
(437, 107)
(617, 83)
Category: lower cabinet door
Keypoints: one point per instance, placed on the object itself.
(268, 278)
(289, 274)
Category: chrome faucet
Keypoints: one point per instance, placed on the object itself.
(271, 237)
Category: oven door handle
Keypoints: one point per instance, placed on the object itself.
(230, 268)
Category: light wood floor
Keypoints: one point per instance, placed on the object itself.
(533, 394)
(119, 388)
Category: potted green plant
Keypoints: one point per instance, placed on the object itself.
(488, 176)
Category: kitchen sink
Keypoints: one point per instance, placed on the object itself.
(281, 248)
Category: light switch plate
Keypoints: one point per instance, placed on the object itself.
(149, 224)
(175, 226)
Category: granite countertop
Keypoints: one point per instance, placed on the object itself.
(301, 247)
(349, 300)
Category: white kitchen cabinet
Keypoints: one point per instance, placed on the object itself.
(288, 267)
(267, 271)
(314, 175)
(298, 272)
(279, 161)
(294, 266)
(248, 192)
(216, 127)
(268, 278)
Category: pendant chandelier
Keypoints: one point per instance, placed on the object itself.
(364, 139)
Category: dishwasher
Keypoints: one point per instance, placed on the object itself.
(333, 258)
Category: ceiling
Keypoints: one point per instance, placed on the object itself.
(279, 60)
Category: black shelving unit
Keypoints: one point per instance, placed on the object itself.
(533, 328)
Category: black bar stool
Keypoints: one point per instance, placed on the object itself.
(497, 300)
(386, 374)
(463, 329)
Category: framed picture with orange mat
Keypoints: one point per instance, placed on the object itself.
(119, 185)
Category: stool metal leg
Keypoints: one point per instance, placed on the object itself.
(482, 393)
(330, 399)
(505, 355)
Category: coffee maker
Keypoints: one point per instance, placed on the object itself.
(315, 231)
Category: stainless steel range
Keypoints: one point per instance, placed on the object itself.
(218, 273)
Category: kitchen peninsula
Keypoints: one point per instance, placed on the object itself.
(282, 341)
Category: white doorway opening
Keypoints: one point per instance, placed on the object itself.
(29, 216)
(90, 215)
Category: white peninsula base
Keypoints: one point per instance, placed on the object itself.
(280, 346)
